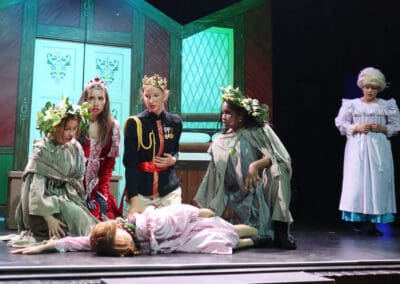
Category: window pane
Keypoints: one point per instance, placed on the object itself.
(207, 64)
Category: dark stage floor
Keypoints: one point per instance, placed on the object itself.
(321, 253)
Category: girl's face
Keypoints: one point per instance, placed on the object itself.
(229, 118)
(370, 92)
(64, 133)
(97, 99)
(154, 99)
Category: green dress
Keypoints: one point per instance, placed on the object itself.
(223, 183)
(52, 185)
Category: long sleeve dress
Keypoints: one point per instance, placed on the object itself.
(368, 189)
(100, 163)
(173, 228)
(52, 185)
(223, 183)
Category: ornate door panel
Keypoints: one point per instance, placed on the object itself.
(63, 68)
(58, 67)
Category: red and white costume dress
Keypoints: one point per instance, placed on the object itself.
(100, 163)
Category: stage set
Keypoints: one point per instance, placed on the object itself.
(324, 255)
(299, 57)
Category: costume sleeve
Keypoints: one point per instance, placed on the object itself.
(211, 191)
(116, 140)
(39, 203)
(73, 244)
(344, 120)
(105, 174)
(107, 164)
(272, 148)
(80, 160)
(178, 132)
(393, 118)
(130, 158)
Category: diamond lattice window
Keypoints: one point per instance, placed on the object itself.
(207, 64)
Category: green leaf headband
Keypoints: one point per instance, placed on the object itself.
(252, 106)
(51, 115)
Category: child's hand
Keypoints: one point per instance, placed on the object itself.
(378, 128)
(362, 128)
(250, 181)
(56, 227)
(49, 246)
(167, 160)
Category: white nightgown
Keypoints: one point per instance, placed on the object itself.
(368, 174)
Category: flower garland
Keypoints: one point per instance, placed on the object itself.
(252, 106)
(155, 81)
(51, 115)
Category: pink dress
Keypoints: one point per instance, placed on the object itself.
(173, 228)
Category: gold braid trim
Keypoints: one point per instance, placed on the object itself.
(152, 137)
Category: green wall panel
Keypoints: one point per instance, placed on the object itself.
(5, 166)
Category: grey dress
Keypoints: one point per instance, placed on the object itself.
(52, 185)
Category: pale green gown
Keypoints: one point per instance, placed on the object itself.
(52, 185)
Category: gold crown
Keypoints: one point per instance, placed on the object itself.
(155, 81)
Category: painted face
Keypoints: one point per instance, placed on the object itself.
(154, 99)
(370, 92)
(65, 133)
(229, 118)
(97, 99)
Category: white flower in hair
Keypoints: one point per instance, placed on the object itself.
(252, 106)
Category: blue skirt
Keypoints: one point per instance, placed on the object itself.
(359, 217)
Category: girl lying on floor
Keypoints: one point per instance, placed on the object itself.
(175, 228)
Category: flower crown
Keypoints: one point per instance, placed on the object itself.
(155, 81)
(252, 106)
(51, 115)
(96, 81)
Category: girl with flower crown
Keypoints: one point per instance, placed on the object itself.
(175, 228)
(52, 193)
(151, 150)
(246, 149)
(101, 146)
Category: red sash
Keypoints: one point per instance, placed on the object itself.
(149, 167)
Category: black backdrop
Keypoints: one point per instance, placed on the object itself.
(319, 46)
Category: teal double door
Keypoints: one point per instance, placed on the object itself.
(63, 68)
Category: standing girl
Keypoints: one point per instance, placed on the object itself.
(368, 191)
(151, 150)
(101, 146)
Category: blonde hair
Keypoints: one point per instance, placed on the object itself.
(371, 76)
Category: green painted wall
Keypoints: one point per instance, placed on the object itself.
(6, 162)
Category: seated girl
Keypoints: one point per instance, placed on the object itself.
(52, 192)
